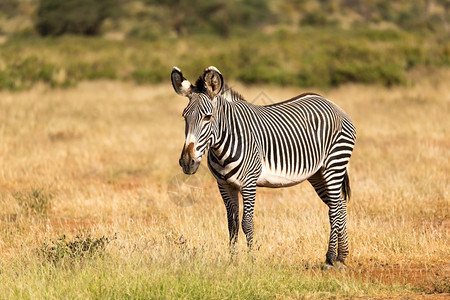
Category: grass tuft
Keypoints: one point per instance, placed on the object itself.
(82, 247)
(35, 202)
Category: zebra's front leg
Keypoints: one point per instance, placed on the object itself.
(230, 196)
(248, 195)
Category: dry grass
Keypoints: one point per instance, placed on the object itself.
(100, 156)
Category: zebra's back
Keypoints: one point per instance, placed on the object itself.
(295, 137)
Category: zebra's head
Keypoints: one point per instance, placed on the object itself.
(199, 115)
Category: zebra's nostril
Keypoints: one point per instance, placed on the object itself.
(192, 161)
(180, 162)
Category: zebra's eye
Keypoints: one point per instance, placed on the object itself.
(207, 118)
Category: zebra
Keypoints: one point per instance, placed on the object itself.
(279, 145)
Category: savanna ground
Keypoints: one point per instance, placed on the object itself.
(85, 212)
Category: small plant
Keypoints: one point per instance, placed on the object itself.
(35, 202)
(82, 247)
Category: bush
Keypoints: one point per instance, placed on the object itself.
(23, 73)
(318, 18)
(82, 247)
(9, 8)
(205, 16)
(310, 57)
(56, 17)
(147, 76)
(360, 63)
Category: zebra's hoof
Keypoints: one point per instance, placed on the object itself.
(337, 265)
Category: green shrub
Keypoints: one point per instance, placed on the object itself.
(147, 76)
(318, 18)
(206, 16)
(9, 8)
(309, 57)
(22, 73)
(88, 71)
(56, 17)
(359, 63)
(385, 35)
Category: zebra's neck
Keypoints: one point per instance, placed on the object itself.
(232, 132)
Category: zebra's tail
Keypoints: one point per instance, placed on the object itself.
(346, 191)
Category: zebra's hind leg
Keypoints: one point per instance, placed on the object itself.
(230, 196)
(248, 195)
(328, 186)
(342, 234)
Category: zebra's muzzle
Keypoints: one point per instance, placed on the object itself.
(190, 166)
(188, 162)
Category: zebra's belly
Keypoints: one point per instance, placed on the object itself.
(274, 179)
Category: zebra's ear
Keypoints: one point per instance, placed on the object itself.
(213, 81)
(180, 84)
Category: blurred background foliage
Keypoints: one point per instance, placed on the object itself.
(288, 42)
(56, 17)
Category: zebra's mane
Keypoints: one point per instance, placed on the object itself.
(200, 86)
(231, 95)
(227, 92)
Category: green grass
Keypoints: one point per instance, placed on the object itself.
(187, 277)
(311, 57)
